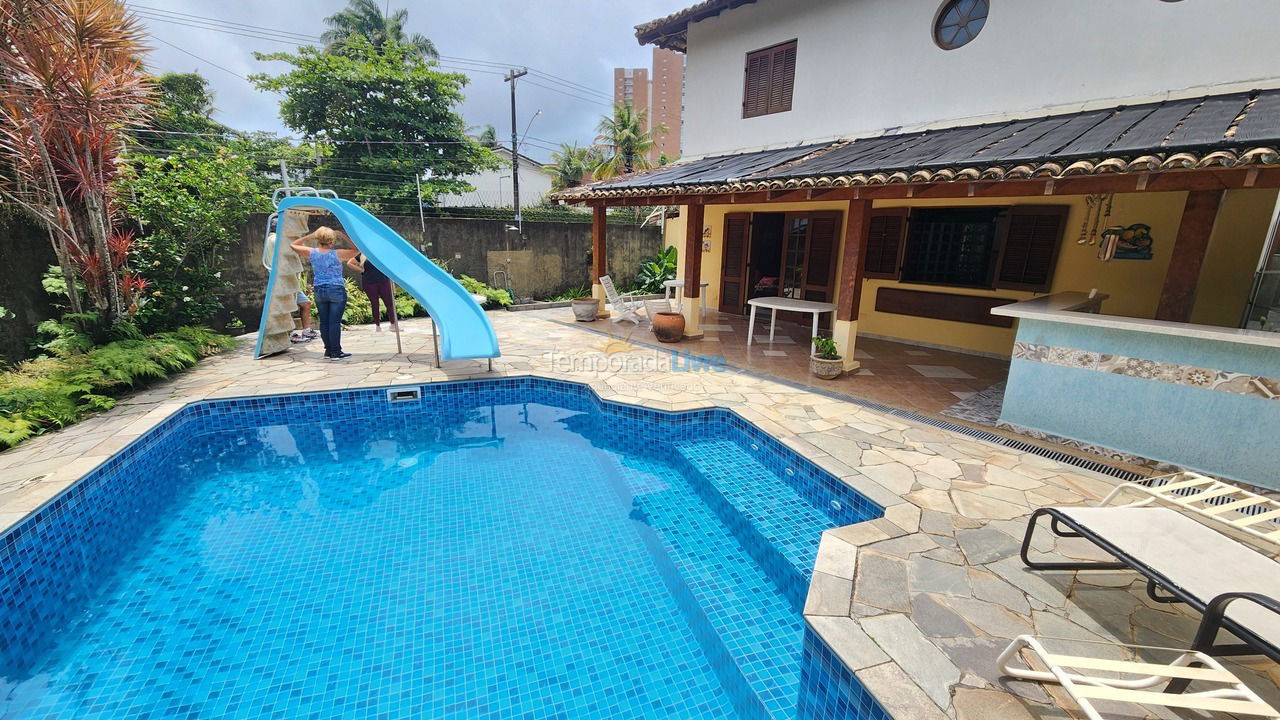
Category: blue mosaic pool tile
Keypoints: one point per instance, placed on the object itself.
(828, 691)
(84, 548)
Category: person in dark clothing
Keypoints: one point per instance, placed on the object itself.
(377, 286)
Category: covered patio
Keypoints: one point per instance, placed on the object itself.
(903, 375)
(1155, 213)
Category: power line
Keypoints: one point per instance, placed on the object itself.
(209, 62)
(288, 37)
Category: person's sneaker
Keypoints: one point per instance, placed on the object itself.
(310, 334)
(339, 356)
(297, 337)
(377, 328)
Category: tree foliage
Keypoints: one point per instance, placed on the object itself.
(366, 19)
(625, 141)
(391, 114)
(572, 165)
(188, 204)
(70, 79)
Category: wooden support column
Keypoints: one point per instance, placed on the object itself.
(857, 229)
(1179, 294)
(692, 291)
(599, 253)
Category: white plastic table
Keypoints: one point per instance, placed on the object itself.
(774, 304)
(667, 285)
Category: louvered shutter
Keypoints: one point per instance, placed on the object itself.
(769, 80)
(1033, 234)
(755, 94)
(822, 249)
(782, 78)
(733, 279)
(883, 257)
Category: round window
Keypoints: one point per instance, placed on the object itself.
(959, 21)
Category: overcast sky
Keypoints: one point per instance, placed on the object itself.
(578, 41)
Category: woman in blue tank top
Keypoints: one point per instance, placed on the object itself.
(330, 292)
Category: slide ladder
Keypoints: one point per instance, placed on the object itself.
(465, 329)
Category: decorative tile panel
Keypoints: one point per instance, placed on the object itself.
(1146, 369)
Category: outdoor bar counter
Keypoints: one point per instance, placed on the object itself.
(1196, 396)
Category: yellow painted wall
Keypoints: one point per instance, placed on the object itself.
(1134, 286)
(1232, 258)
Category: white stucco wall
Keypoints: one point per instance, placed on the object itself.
(864, 66)
(493, 187)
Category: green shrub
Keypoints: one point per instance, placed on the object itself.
(54, 391)
(582, 291)
(656, 270)
(493, 297)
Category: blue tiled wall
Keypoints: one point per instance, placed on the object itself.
(828, 691)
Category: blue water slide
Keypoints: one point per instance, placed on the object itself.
(465, 331)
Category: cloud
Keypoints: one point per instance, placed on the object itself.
(577, 41)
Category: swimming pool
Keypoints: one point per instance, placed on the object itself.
(511, 548)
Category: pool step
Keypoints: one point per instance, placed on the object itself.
(763, 508)
(728, 590)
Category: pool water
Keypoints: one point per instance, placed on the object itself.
(459, 556)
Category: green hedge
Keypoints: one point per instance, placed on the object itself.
(55, 391)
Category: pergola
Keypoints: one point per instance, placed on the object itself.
(1201, 145)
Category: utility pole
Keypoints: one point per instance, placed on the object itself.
(284, 175)
(515, 146)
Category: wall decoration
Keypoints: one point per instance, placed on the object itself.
(1126, 243)
(1267, 388)
(1097, 213)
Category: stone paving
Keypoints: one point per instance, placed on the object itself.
(918, 603)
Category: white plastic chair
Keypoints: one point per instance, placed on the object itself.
(655, 306)
(1137, 683)
(624, 306)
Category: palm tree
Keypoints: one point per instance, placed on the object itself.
(70, 81)
(364, 17)
(626, 142)
(571, 165)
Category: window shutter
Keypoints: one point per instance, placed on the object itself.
(783, 78)
(822, 248)
(755, 94)
(883, 258)
(769, 80)
(1033, 234)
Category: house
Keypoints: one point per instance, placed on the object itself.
(964, 174)
(493, 188)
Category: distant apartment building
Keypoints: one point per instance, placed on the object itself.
(659, 92)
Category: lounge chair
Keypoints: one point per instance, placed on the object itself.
(624, 306)
(1083, 678)
(1232, 509)
(1184, 556)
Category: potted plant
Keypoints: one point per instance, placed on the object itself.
(825, 362)
(668, 327)
(585, 308)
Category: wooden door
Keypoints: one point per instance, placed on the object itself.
(733, 269)
(810, 250)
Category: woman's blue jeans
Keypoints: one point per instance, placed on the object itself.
(331, 302)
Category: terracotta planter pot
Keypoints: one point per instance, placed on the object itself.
(826, 369)
(585, 309)
(668, 327)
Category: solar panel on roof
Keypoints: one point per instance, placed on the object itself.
(1149, 132)
(1262, 123)
(1209, 123)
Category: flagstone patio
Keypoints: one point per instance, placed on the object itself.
(918, 602)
